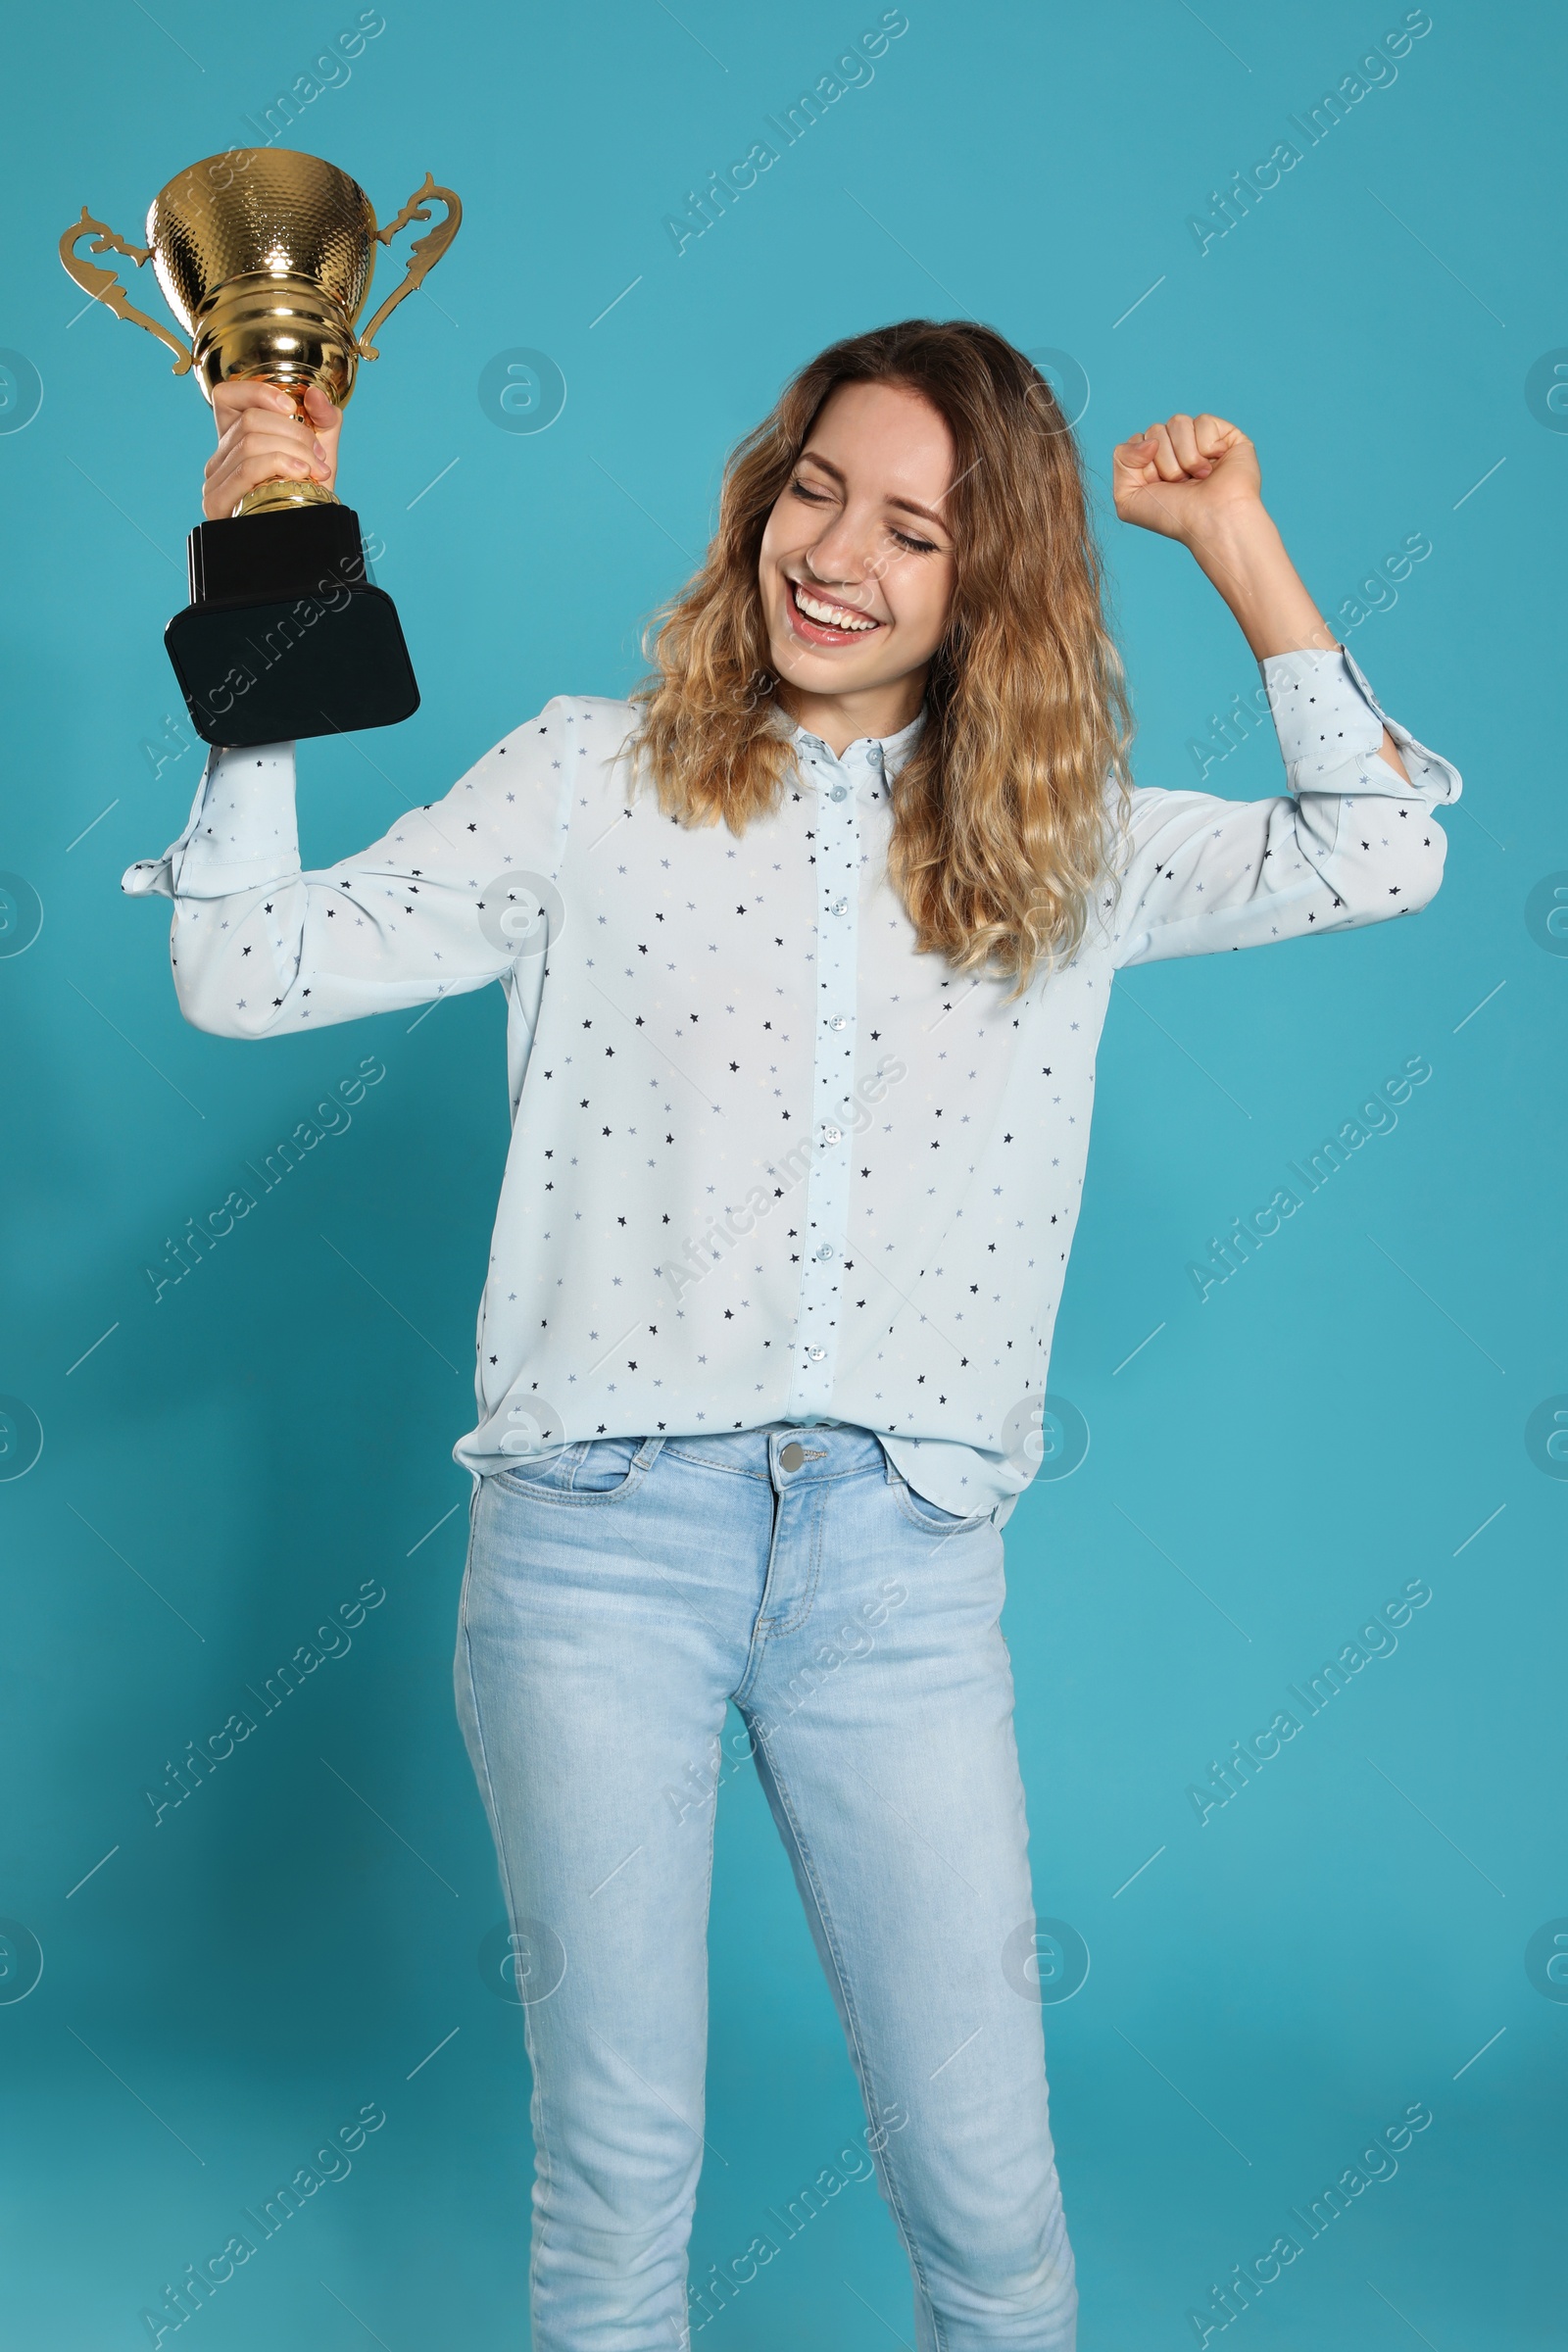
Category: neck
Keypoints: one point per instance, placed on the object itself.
(840, 720)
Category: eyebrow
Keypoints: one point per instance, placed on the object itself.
(909, 505)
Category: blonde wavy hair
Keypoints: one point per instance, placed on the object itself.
(1003, 830)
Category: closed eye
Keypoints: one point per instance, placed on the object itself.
(825, 498)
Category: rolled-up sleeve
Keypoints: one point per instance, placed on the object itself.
(1350, 842)
(260, 947)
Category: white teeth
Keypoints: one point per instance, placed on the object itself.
(832, 617)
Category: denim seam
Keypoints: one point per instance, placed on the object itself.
(578, 1453)
(544, 2164)
(762, 1631)
(758, 1644)
(705, 1462)
(803, 1609)
(856, 2039)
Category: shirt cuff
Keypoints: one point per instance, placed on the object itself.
(1323, 714)
(242, 830)
(1326, 714)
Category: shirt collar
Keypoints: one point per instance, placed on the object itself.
(883, 755)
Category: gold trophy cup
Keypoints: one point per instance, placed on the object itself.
(265, 258)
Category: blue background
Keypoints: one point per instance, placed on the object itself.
(231, 1463)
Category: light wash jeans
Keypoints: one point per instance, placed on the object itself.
(617, 1596)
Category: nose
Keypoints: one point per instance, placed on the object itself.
(840, 559)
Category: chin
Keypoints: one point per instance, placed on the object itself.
(813, 675)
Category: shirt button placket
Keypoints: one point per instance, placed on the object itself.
(826, 1210)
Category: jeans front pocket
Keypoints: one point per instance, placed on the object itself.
(921, 1512)
(603, 1465)
(544, 1473)
(587, 1470)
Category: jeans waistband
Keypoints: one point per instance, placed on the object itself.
(790, 1452)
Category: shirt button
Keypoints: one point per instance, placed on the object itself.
(832, 1135)
(840, 906)
(839, 1020)
(839, 791)
(826, 1251)
(816, 1354)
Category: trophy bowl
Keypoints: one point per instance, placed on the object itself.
(269, 281)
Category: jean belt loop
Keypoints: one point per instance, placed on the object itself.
(647, 1453)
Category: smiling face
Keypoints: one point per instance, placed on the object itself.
(857, 564)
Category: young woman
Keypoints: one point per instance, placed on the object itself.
(806, 953)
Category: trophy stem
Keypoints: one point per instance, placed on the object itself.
(275, 498)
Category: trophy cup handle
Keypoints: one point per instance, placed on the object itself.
(425, 253)
(104, 287)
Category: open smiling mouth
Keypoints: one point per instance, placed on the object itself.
(821, 622)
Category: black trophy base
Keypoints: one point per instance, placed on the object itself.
(284, 635)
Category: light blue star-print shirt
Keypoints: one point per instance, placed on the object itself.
(768, 1163)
